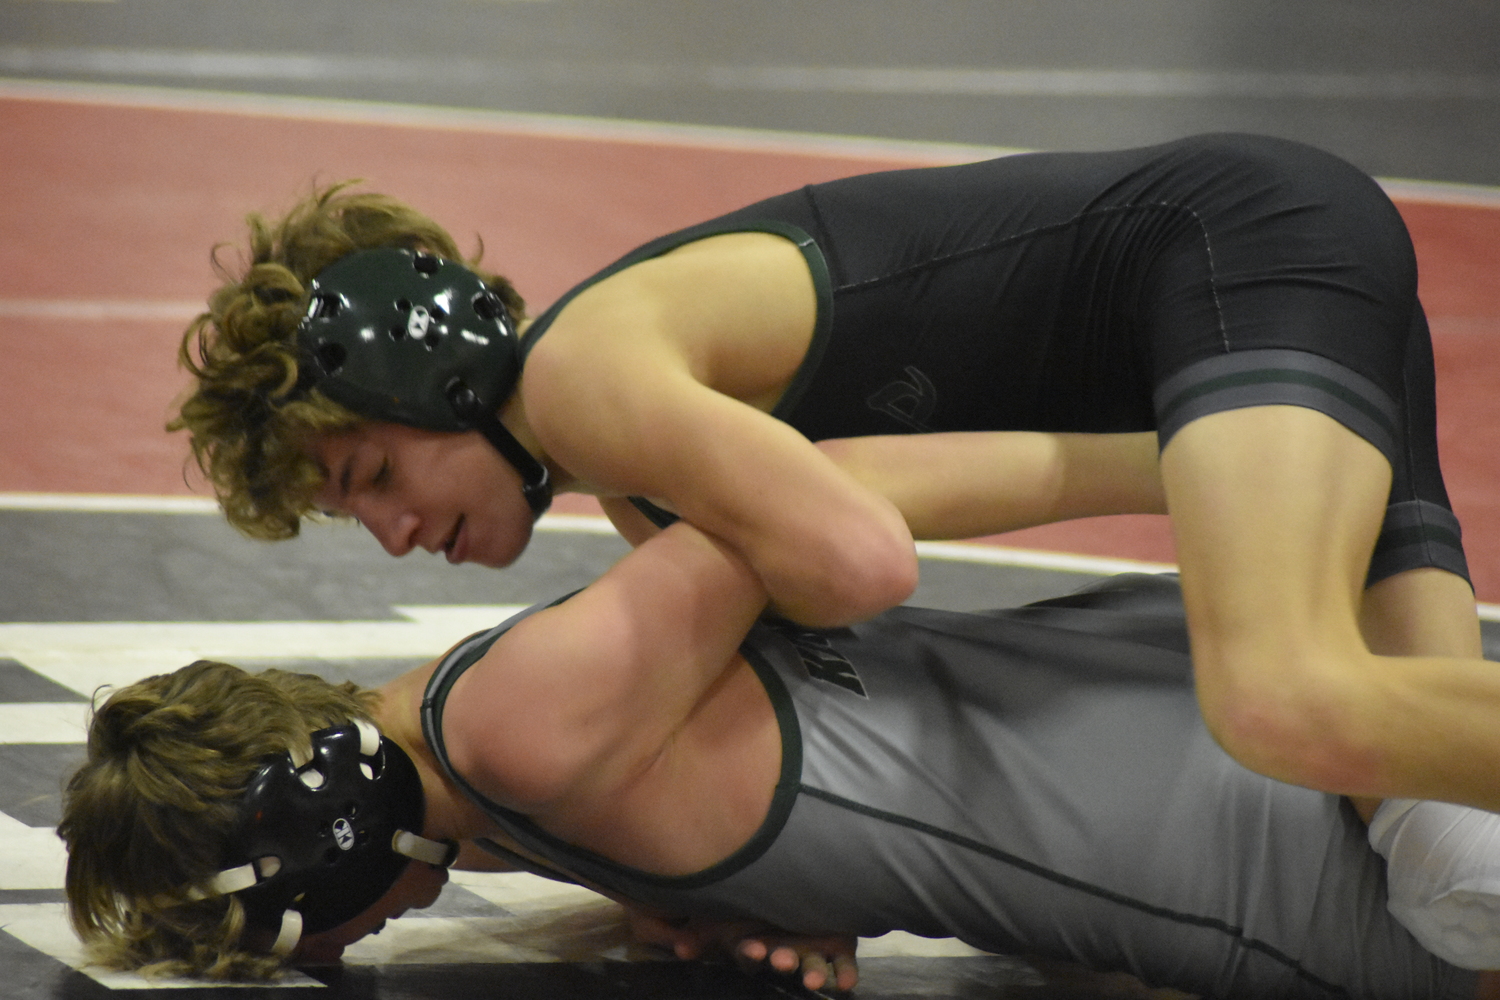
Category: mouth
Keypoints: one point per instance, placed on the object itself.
(451, 548)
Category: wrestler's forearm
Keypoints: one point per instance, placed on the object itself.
(828, 550)
(963, 485)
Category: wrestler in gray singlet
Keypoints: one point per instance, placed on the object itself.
(1038, 782)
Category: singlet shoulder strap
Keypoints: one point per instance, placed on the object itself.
(817, 265)
(653, 513)
(461, 658)
(525, 863)
(665, 244)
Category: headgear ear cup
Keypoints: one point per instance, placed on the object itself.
(414, 339)
(387, 330)
(327, 838)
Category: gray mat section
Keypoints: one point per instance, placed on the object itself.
(31, 781)
(1401, 89)
(65, 566)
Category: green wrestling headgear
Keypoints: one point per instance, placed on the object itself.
(417, 340)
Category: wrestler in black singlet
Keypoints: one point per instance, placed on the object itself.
(1118, 291)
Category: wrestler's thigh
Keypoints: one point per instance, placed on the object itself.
(1427, 611)
(1275, 511)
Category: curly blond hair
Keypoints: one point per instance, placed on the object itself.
(148, 816)
(249, 430)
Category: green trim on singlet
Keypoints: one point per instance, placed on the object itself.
(527, 833)
(1420, 535)
(817, 267)
(1280, 376)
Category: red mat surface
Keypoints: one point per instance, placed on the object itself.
(112, 209)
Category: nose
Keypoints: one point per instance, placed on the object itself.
(395, 529)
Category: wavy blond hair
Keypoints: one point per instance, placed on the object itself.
(149, 814)
(249, 431)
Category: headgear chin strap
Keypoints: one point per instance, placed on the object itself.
(417, 340)
(321, 840)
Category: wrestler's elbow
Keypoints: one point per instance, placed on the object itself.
(853, 583)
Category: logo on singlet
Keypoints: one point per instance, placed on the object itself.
(910, 400)
(820, 659)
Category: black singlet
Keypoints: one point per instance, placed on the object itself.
(1117, 291)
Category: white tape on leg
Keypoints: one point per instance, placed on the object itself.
(1443, 877)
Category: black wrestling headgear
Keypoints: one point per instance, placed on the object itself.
(418, 340)
(320, 842)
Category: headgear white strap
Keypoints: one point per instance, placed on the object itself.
(369, 738)
(232, 880)
(435, 852)
(289, 935)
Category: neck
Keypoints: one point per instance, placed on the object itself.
(513, 415)
(448, 814)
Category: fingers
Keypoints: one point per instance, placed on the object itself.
(814, 968)
(821, 962)
(845, 970)
(661, 932)
(786, 958)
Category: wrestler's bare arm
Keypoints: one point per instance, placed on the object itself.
(632, 525)
(962, 485)
(636, 389)
(567, 711)
(967, 484)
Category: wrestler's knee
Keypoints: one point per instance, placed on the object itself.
(1297, 712)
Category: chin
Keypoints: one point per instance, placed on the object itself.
(507, 556)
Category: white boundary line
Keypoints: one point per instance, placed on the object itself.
(108, 503)
(309, 66)
(127, 503)
(595, 129)
(1001, 555)
(994, 555)
(101, 310)
(476, 120)
(1442, 193)
(594, 524)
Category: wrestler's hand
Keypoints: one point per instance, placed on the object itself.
(824, 962)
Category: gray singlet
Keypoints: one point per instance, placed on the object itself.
(1039, 782)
